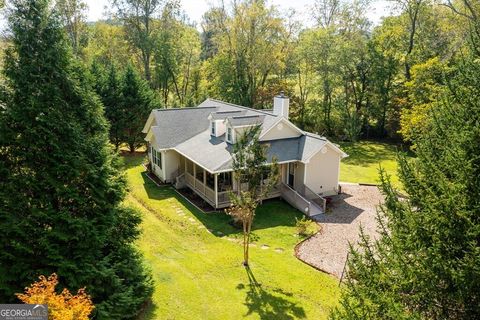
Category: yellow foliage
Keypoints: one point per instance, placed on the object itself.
(63, 306)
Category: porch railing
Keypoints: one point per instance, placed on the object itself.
(202, 189)
(311, 195)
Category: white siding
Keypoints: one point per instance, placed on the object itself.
(322, 172)
(171, 163)
(299, 176)
(281, 131)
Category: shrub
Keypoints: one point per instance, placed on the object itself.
(305, 227)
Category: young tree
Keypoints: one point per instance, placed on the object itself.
(251, 168)
(425, 265)
(137, 101)
(61, 188)
(63, 306)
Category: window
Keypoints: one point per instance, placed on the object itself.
(157, 158)
(229, 135)
(213, 128)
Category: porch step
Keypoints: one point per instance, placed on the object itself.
(308, 207)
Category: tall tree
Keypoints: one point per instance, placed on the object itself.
(61, 189)
(138, 17)
(137, 101)
(73, 17)
(252, 43)
(425, 265)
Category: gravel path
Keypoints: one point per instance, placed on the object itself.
(328, 249)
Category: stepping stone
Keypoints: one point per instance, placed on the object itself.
(210, 230)
(220, 233)
(252, 245)
(265, 247)
(279, 250)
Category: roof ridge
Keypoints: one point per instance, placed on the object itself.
(243, 107)
(184, 108)
(247, 116)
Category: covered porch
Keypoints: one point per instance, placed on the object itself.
(214, 188)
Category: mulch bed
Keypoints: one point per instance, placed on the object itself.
(155, 178)
(197, 200)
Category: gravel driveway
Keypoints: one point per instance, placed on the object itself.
(328, 249)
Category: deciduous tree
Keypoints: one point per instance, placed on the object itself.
(256, 176)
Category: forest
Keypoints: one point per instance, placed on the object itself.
(347, 78)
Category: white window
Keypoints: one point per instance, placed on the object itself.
(213, 128)
(229, 135)
(157, 158)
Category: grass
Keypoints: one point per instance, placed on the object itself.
(364, 160)
(198, 274)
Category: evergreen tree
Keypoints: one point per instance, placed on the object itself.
(426, 264)
(137, 103)
(61, 190)
(108, 86)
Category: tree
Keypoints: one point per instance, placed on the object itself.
(137, 101)
(63, 306)
(108, 86)
(138, 16)
(73, 16)
(251, 167)
(425, 263)
(61, 191)
(252, 45)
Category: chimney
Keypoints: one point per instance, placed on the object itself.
(280, 105)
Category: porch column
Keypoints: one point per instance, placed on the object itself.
(216, 188)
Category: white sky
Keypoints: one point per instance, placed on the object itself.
(196, 8)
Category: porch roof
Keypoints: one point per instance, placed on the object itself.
(215, 155)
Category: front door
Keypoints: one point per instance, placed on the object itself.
(291, 175)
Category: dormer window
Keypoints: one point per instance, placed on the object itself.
(213, 129)
(229, 135)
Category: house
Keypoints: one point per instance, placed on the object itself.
(192, 147)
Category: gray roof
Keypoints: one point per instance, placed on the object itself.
(186, 130)
(173, 126)
(222, 115)
(246, 120)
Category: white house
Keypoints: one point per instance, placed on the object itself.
(193, 147)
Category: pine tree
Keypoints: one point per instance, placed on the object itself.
(426, 264)
(137, 103)
(61, 190)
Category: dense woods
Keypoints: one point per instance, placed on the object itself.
(73, 92)
(347, 78)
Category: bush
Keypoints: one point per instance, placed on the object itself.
(305, 227)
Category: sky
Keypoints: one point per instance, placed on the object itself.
(196, 8)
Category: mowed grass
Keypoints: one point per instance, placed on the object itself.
(364, 160)
(198, 273)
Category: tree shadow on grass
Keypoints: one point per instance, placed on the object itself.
(366, 153)
(269, 303)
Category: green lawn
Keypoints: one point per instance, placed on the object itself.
(364, 160)
(198, 274)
